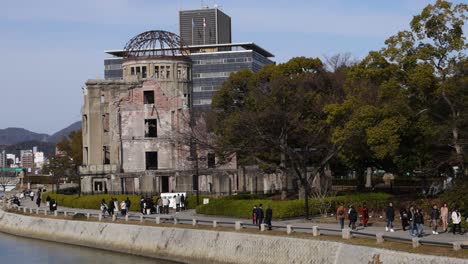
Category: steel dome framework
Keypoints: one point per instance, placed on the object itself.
(155, 43)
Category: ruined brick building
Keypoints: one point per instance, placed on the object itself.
(135, 121)
(132, 127)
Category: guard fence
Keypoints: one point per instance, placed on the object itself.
(315, 230)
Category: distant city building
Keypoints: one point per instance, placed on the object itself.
(39, 160)
(204, 26)
(27, 160)
(10, 160)
(3, 159)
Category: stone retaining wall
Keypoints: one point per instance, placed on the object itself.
(203, 246)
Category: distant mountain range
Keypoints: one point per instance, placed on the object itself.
(13, 135)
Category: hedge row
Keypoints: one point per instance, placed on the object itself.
(94, 201)
(229, 206)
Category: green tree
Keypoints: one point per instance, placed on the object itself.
(407, 102)
(276, 118)
(66, 163)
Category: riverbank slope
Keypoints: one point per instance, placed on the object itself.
(202, 246)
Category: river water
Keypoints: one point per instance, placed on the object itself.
(15, 249)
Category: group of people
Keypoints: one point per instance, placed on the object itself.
(162, 204)
(412, 219)
(147, 205)
(113, 206)
(258, 216)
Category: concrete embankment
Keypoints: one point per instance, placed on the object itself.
(202, 246)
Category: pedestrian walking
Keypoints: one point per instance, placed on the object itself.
(456, 221)
(435, 216)
(390, 217)
(116, 206)
(38, 201)
(177, 201)
(166, 205)
(254, 215)
(110, 207)
(352, 215)
(260, 215)
(182, 202)
(53, 205)
(159, 206)
(364, 214)
(127, 204)
(411, 221)
(419, 222)
(444, 214)
(31, 195)
(48, 201)
(103, 206)
(268, 216)
(123, 208)
(341, 215)
(142, 205)
(404, 218)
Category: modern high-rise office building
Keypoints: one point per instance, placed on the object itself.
(214, 56)
(204, 26)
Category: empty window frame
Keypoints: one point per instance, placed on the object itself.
(151, 128)
(211, 160)
(85, 123)
(105, 122)
(148, 97)
(132, 70)
(168, 72)
(151, 160)
(143, 72)
(106, 154)
(138, 71)
(85, 155)
(156, 72)
(162, 74)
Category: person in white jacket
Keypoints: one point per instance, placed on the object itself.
(456, 220)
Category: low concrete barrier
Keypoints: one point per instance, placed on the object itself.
(203, 246)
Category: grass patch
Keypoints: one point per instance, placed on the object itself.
(235, 207)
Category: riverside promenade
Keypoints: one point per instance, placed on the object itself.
(301, 225)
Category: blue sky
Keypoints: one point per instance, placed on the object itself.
(51, 47)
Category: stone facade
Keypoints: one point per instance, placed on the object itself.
(132, 130)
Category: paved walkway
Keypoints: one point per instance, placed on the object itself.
(191, 214)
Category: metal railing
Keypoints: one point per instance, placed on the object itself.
(159, 218)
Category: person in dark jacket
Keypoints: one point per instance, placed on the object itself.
(390, 217)
(419, 222)
(38, 201)
(182, 202)
(142, 205)
(53, 205)
(128, 203)
(110, 207)
(435, 216)
(254, 215)
(404, 218)
(259, 215)
(268, 216)
(352, 215)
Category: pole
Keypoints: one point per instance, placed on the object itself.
(306, 188)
